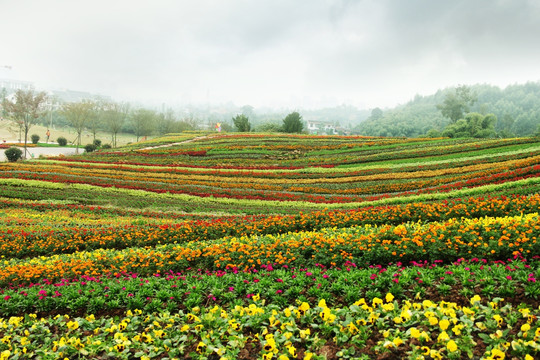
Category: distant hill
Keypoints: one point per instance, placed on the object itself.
(517, 108)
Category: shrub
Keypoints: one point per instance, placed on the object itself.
(13, 154)
(90, 147)
(34, 138)
(61, 141)
(106, 146)
(97, 142)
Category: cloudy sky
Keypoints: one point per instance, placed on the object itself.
(279, 53)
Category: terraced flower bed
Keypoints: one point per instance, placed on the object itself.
(264, 246)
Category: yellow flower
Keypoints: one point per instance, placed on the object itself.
(200, 347)
(525, 327)
(451, 346)
(497, 354)
(443, 336)
(433, 320)
(256, 297)
(475, 299)
(444, 324)
(303, 308)
(389, 297)
(73, 325)
(498, 319)
(308, 355)
(292, 351)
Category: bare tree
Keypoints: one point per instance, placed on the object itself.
(24, 110)
(78, 114)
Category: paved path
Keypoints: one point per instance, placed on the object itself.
(45, 151)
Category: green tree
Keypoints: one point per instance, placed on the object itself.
(293, 123)
(78, 114)
(165, 122)
(473, 125)
(25, 110)
(143, 121)
(242, 123)
(114, 116)
(456, 104)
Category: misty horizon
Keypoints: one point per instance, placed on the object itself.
(271, 54)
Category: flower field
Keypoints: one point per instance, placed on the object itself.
(265, 246)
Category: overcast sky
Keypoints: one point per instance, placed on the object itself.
(280, 53)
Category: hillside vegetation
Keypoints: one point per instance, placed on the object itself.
(516, 107)
(274, 246)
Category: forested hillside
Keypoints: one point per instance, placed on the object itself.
(517, 108)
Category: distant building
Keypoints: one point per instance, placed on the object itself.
(319, 127)
(12, 86)
(9, 82)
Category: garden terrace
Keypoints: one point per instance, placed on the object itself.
(273, 246)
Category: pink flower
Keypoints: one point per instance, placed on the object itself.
(509, 277)
(7, 297)
(309, 273)
(279, 291)
(373, 276)
(279, 280)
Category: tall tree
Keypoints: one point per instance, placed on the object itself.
(242, 123)
(143, 122)
(114, 116)
(24, 110)
(293, 123)
(165, 122)
(456, 104)
(78, 114)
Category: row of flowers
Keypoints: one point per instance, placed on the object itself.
(367, 329)
(378, 150)
(280, 189)
(40, 230)
(493, 238)
(515, 280)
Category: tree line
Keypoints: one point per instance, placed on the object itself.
(26, 108)
(509, 112)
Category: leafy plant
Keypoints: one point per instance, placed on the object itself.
(62, 141)
(13, 154)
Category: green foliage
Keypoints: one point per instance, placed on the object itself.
(293, 123)
(13, 154)
(90, 148)
(97, 143)
(517, 108)
(433, 133)
(242, 123)
(143, 122)
(62, 141)
(474, 125)
(269, 127)
(34, 138)
(458, 103)
(106, 146)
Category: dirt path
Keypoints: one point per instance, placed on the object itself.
(176, 143)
